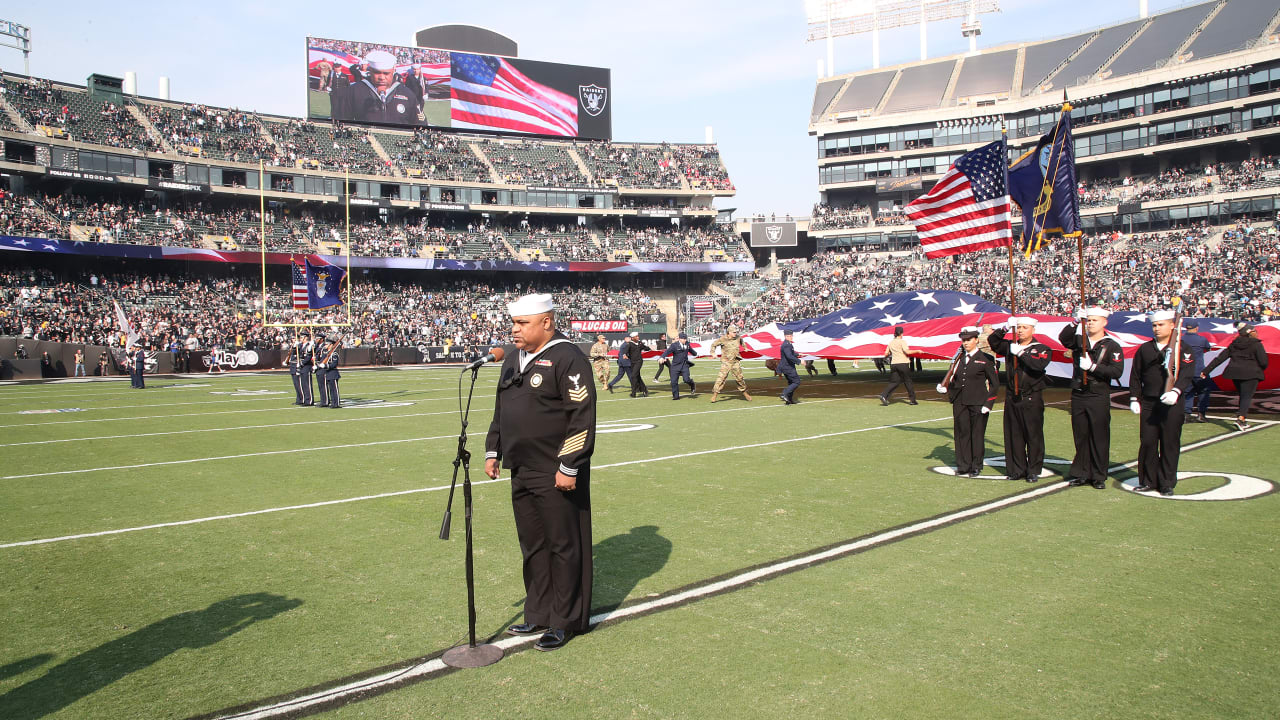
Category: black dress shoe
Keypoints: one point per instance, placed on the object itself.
(552, 639)
(883, 401)
(1011, 478)
(1033, 478)
(1076, 482)
(527, 629)
(974, 473)
(609, 388)
(912, 402)
(1143, 488)
(1099, 485)
(1167, 493)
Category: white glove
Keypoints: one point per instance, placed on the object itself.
(1081, 314)
(986, 411)
(1171, 397)
(1135, 407)
(1086, 362)
(1015, 349)
(942, 389)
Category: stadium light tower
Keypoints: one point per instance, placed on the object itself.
(17, 37)
(829, 19)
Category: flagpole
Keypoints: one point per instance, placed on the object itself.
(347, 185)
(1013, 295)
(262, 239)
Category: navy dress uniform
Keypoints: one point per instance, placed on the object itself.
(331, 374)
(787, 362)
(544, 424)
(1161, 411)
(362, 101)
(972, 393)
(295, 371)
(1091, 377)
(680, 351)
(624, 368)
(306, 364)
(318, 358)
(140, 367)
(1023, 398)
(635, 353)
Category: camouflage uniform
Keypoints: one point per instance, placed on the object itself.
(729, 363)
(600, 360)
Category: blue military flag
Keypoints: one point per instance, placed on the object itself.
(1043, 183)
(324, 285)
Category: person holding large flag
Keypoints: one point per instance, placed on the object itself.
(1097, 360)
(1027, 363)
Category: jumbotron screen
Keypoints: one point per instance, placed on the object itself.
(425, 87)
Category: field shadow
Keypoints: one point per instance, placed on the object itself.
(95, 669)
(19, 667)
(622, 561)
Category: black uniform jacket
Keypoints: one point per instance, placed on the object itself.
(358, 102)
(1106, 355)
(975, 381)
(544, 418)
(1031, 364)
(1247, 359)
(1149, 372)
(635, 351)
(787, 358)
(679, 352)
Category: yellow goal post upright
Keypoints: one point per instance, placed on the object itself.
(262, 246)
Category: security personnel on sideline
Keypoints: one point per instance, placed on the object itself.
(1091, 395)
(679, 353)
(1027, 361)
(1162, 411)
(543, 430)
(295, 374)
(787, 361)
(635, 353)
(600, 359)
(331, 374)
(306, 361)
(899, 353)
(730, 362)
(140, 366)
(972, 392)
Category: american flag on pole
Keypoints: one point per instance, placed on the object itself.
(299, 285)
(968, 210)
(703, 309)
(489, 93)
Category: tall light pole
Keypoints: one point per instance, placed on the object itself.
(17, 37)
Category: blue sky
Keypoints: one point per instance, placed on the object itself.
(743, 68)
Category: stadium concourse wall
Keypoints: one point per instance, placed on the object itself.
(155, 252)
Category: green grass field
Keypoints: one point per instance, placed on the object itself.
(268, 552)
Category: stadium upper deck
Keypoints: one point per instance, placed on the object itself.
(52, 129)
(1187, 89)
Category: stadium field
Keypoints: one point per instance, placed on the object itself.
(203, 548)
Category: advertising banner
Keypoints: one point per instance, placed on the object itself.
(599, 326)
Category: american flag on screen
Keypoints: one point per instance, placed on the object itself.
(703, 309)
(968, 210)
(489, 93)
(299, 286)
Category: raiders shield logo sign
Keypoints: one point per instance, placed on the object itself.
(773, 233)
(594, 98)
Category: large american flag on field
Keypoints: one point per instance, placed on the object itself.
(968, 210)
(299, 285)
(489, 93)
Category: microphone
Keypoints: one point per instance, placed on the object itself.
(495, 355)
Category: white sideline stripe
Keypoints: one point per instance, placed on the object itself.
(101, 533)
(437, 665)
(742, 579)
(258, 398)
(372, 443)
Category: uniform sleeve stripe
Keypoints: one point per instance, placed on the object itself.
(575, 443)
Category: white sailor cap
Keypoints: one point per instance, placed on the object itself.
(530, 305)
(635, 334)
(1161, 315)
(380, 60)
(969, 332)
(1096, 311)
(1024, 320)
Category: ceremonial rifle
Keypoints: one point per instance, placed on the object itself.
(332, 350)
(1175, 347)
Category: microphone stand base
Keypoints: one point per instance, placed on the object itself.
(466, 656)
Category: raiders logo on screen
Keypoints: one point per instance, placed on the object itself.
(594, 98)
(773, 233)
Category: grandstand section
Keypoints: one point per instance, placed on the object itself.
(1174, 115)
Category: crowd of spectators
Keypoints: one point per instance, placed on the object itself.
(829, 217)
(198, 130)
(1220, 272)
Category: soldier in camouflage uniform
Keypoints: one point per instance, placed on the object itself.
(729, 363)
(600, 359)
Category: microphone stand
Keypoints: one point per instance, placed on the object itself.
(469, 655)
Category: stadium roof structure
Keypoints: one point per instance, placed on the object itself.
(1018, 76)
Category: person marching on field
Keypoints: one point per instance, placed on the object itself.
(662, 364)
(678, 354)
(730, 362)
(295, 372)
(1197, 398)
(787, 361)
(600, 359)
(635, 350)
(972, 392)
(1091, 378)
(1161, 409)
(624, 368)
(1023, 403)
(899, 353)
(1246, 360)
(317, 360)
(331, 374)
